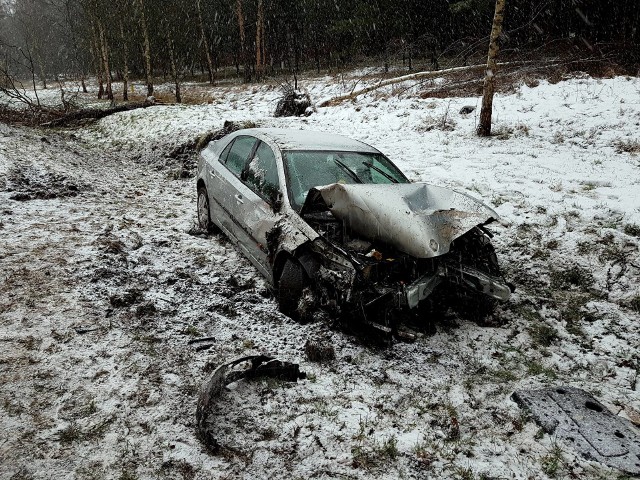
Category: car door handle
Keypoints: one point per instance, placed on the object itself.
(239, 198)
(212, 173)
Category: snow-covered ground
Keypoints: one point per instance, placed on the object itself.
(103, 285)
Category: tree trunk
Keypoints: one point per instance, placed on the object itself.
(76, 49)
(174, 69)
(104, 52)
(125, 58)
(260, 47)
(147, 49)
(43, 75)
(316, 52)
(484, 127)
(205, 43)
(243, 49)
(95, 47)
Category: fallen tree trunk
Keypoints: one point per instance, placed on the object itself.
(404, 78)
(58, 117)
(69, 118)
(538, 66)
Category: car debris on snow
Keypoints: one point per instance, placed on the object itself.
(223, 375)
(576, 417)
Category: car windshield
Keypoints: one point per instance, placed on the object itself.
(307, 169)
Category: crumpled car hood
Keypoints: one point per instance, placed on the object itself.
(416, 218)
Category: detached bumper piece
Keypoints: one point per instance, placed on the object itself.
(260, 366)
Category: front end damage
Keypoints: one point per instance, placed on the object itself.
(385, 249)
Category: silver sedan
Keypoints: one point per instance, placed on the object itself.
(332, 223)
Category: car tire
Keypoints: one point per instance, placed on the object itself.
(477, 251)
(204, 212)
(291, 284)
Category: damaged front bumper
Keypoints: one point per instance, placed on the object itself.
(347, 283)
(464, 276)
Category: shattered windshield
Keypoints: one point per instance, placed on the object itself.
(307, 169)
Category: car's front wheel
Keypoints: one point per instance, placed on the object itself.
(204, 212)
(291, 285)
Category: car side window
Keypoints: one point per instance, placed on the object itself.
(239, 154)
(225, 152)
(262, 172)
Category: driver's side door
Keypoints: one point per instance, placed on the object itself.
(259, 209)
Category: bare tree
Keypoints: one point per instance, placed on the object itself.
(104, 56)
(13, 88)
(125, 61)
(35, 31)
(172, 62)
(260, 41)
(243, 47)
(484, 127)
(205, 43)
(147, 48)
(70, 12)
(97, 57)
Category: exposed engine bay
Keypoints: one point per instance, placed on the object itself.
(377, 255)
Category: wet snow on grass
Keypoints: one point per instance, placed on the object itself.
(102, 290)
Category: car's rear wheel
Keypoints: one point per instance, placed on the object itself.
(291, 285)
(204, 212)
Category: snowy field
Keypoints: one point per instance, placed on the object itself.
(104, 284)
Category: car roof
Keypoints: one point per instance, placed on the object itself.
(290, 139)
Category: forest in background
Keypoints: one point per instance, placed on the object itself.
(154, 40)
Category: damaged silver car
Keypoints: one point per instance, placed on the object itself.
(333, 224)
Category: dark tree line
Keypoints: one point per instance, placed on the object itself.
(170, 40)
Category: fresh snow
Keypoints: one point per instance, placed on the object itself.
(123, 263)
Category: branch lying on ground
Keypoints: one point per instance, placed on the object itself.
(392, 81)
(70, 118)
(59, 117)
(428, 75)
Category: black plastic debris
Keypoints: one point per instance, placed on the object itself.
(576, 417)
(260, 366)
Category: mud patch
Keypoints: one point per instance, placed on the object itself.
(33, 183)
(186, 154)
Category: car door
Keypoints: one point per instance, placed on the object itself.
(257, 211)
(228, 190)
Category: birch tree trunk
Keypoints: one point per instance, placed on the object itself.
(484, 127)
(125, 59)
(205, 43)
(104, 53)
(147, 49)
(97, 56)
(43, 75)
(174, 69)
